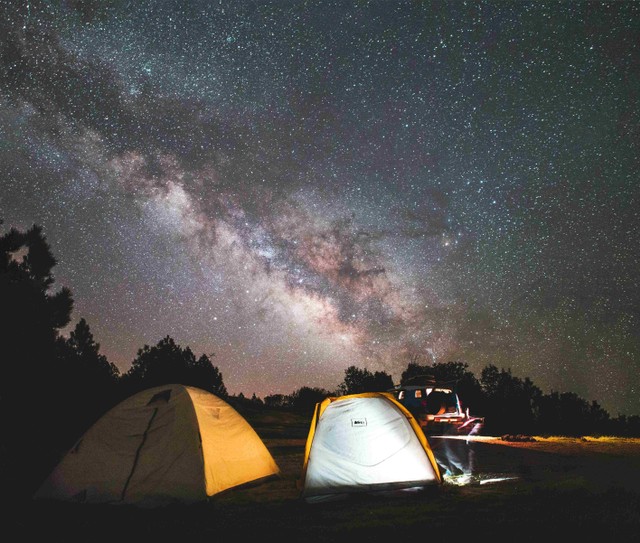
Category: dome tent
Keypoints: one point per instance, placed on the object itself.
(365, 443)
(167, 444)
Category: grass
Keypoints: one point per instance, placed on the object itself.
(585, 488)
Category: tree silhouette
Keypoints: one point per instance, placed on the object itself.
(511, 402)
(305, 398)
(95, 365)
(568, 414)
(162, 364)
(203, 374)
(32, 316)
(91, 379)
(167, 363)
(276, 400)
(416, 372)
(358, 380)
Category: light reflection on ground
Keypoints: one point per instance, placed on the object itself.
(456, 458)
(496, 480)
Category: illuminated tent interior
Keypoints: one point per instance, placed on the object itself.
(167, 444)
(365, 443)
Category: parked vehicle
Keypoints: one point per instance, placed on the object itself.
(437, 407)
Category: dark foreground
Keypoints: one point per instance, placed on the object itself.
(507, 491)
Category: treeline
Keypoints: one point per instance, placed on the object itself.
(509, 404)
(54, 387)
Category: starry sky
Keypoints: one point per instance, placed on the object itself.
(295, 187)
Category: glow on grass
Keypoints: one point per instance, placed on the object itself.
(496, 480)
(467, 479)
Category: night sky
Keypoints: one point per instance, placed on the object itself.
(297, 187)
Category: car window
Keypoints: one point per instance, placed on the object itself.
(439, 402)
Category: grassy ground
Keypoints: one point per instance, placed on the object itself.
(585, 488)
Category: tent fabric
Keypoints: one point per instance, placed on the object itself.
(365, 443)
(167, 444)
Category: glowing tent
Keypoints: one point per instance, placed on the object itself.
(168, 444)
(365, 443)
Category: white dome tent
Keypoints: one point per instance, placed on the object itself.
(365, 443)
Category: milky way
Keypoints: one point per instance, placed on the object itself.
(298, 187)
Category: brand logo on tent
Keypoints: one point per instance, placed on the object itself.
(358, 422)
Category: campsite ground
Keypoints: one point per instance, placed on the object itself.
(579, 488)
